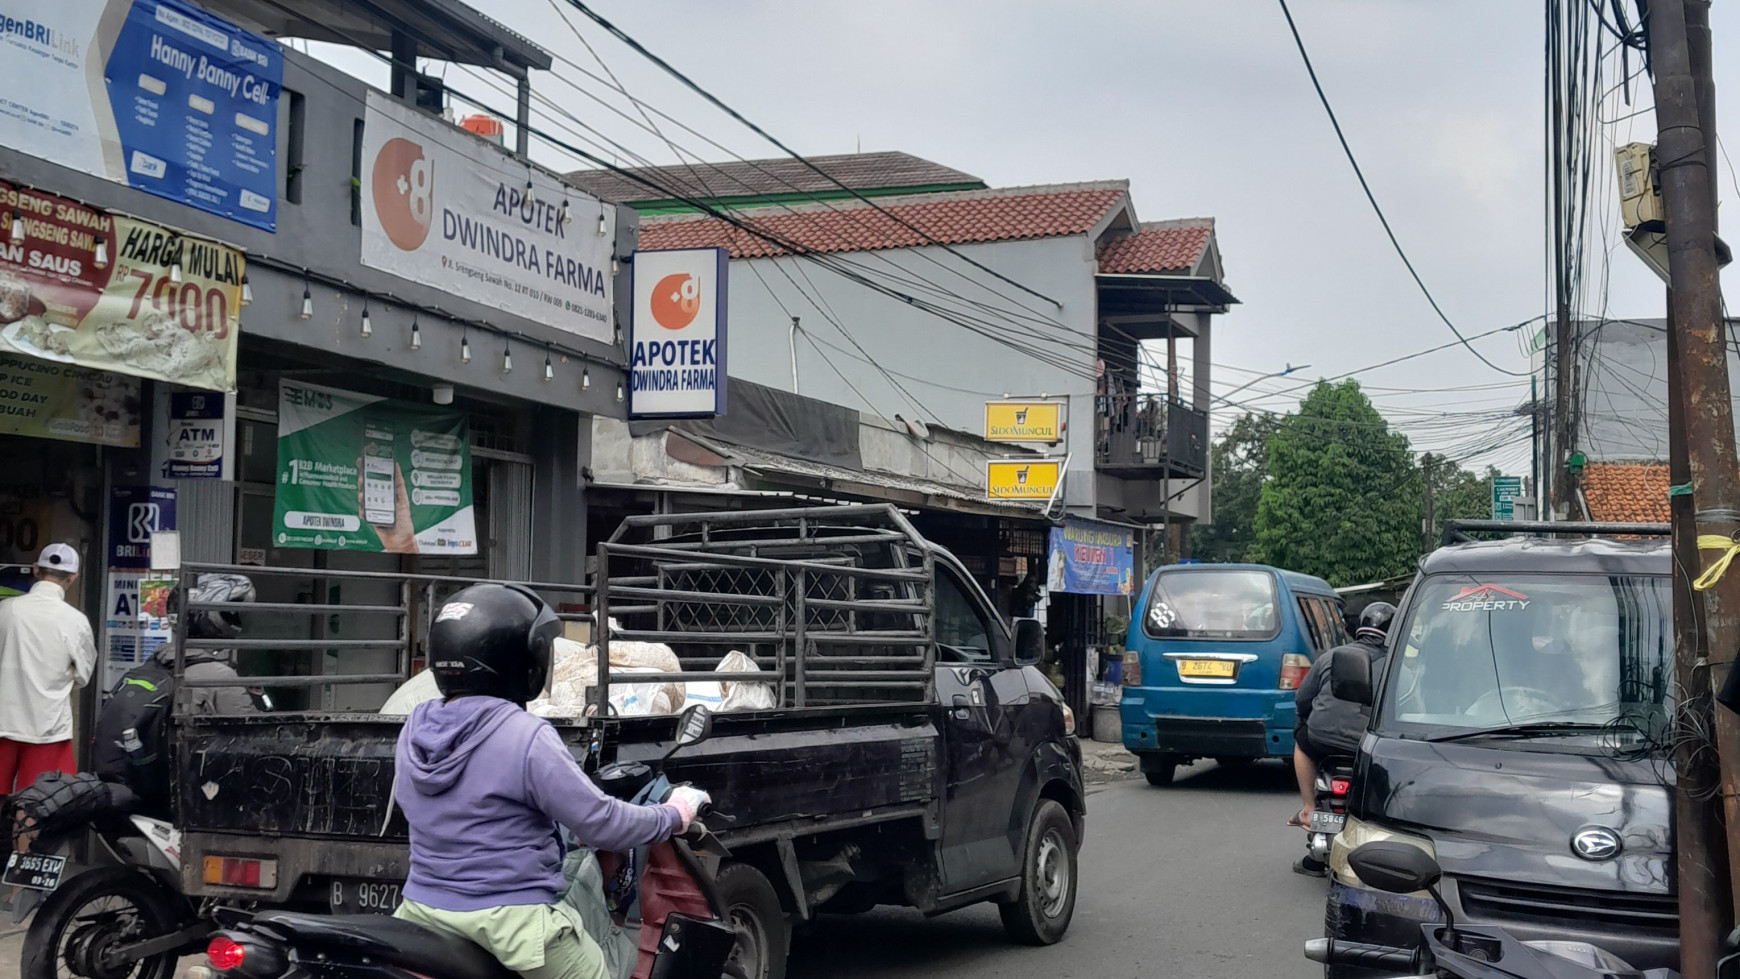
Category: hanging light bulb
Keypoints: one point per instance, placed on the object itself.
(102, 255)
(603, 228)
(464, 349)
(562, 214)
(18, 225)
(368, 328)
(416, 334)
(531, 194)
(585, 378)
(507, 359)
(175, 273)
(549, 368)
(614, 266)
(247, 291)
(616, 336)
(619, 392)
(307, 299)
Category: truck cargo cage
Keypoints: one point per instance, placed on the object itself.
(833, 604)
(320, 639)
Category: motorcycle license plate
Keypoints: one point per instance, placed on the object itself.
(1219, 668)
(1327, 822)
(349, 895)
(38, 871)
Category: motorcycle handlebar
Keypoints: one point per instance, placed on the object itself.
(1361, 956)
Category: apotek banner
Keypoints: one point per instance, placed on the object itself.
(361, 473)
(1090, 558)
(100, 290)
(154, 94)
(447, 209)
(677, 334)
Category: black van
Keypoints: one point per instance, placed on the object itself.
(1518, 735)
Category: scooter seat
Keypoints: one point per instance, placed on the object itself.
(410, 946)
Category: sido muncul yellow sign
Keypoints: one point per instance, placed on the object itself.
(1022, 479)
(1023, 421)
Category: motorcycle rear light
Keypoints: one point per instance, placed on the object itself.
(224, 954)
(1132, 668)
(240, 872)
(1339, 786)
(1294, 666)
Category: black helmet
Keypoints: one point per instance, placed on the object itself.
(208, 588)
(493, 640)
(1374, 620)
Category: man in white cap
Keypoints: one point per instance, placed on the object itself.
(46, 649)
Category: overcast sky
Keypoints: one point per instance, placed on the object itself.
(1204, 106)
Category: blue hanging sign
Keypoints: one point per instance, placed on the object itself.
(1090, 558)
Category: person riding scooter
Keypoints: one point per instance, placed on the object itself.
(484, 786)
(1328, 725)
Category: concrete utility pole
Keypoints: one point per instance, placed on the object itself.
(1426, 504)
(1698, 361)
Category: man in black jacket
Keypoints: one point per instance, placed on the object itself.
(1328, 725)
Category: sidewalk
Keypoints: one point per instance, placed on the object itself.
(11, 945)
(1102, 762)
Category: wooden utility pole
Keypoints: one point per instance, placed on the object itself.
(1700, 364)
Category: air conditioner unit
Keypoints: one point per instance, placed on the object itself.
(1639, 185)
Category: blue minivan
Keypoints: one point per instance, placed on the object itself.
(1212, 658)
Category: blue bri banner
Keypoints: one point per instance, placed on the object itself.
(187, 108)
(1089, 558)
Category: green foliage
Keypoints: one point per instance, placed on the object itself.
(1240, 464)
(1342, 498)
(1458, 494)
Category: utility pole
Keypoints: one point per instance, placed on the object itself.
(1564, 388)
(1698, 360)
(1426, 503)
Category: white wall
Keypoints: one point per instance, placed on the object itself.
(948, 369)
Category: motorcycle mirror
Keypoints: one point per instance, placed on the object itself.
(694, 725)
(1398, 868)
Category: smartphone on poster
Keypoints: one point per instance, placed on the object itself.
(378, 495)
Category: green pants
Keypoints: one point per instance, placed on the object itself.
(538, 941)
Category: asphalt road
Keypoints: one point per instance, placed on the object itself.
(1192, 880)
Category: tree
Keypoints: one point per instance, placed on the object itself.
(1240, 465)
(1342, 498)
(1458, 494)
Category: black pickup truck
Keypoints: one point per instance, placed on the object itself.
(915, 756)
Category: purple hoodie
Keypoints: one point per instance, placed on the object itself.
(483, 785)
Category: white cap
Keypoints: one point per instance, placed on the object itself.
(59, 557)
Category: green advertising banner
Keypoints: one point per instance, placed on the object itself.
(361, 473)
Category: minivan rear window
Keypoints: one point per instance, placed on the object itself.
(1513, 650)
(1212, 604)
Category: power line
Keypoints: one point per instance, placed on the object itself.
(1372, 198)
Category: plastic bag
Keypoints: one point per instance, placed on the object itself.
(639, 699)
(744, 695)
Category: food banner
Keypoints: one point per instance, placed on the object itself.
(1089, 558)
(361, 473)
(447, 209)
(43, 399)
(157, 95)
(113, 293)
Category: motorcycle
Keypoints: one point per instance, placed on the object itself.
(121, 913)
(654, 912)
(1450, 951)
(1328, 814)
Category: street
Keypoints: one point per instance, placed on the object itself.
(1193, 880)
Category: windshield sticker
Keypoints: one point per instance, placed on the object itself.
(1162, 616)
(1486, 598)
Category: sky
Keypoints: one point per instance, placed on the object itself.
(1205, 107)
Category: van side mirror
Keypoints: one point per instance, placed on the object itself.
(1029, 642)
(1350, 674)
(1399, 868)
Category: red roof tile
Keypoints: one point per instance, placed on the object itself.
(1160, 246)
(1011, 214)
(1626, 492)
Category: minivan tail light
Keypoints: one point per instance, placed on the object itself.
(1132, 670)
(1294, 666)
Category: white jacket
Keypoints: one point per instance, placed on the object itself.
(46, 648)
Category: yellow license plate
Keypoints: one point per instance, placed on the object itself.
(1219, 668)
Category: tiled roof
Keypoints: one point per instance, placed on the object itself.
(1159, 246)
(1009, 214)
(1626, 492)
(752, 178)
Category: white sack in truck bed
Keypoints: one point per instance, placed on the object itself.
(575, 670)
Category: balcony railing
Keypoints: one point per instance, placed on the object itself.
(1145, 436)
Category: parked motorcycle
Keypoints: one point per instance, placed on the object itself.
(120, 911)
(1328, 814)
(1450, 951)
(670, 913)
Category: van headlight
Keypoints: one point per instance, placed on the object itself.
(1356, 834)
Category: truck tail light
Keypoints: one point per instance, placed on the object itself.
(1294, 666)
(1132, 668)
(240, 872)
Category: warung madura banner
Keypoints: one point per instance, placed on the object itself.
(361, 473)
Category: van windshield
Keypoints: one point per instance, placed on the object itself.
(1212, 604)
(1550, 653)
